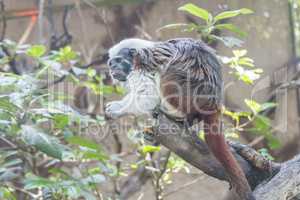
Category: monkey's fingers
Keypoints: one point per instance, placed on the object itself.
(148, 130)
(149, 134)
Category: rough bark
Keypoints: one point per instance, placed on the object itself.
(285, 185)
(274, 182)
(192, 149)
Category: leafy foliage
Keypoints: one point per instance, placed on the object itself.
(45, 149)
(243, 67)
(39, 126)
(212, 23)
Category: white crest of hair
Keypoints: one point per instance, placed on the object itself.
(133, 43)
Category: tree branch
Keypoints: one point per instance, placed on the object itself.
(192, 149)
(270, 181)
(285, 185)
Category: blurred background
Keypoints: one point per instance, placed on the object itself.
(92, 27)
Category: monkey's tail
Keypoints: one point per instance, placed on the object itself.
(216, 142)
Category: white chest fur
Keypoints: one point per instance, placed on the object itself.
(144, 94)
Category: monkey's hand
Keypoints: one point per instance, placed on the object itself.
(114, 110)
(149, 136)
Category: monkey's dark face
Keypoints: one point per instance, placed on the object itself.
(122, 64)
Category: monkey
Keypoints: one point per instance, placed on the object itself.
(183, 77)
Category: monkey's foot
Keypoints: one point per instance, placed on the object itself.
(255, 158)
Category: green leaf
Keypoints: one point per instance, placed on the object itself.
(273, 142)
(34, 182)
(239, 53)
(9, 44)
(196, 11)
(4, 60)
(96, 178)
(9, 174)
(61, 121)
(66, 54)
(246, 62)
(265, 153)
(253, 105)
(233, 13)
(231, 28)
(263, 127)
(12, 163)
(201, 135)
(175, 163)
(246, 75)
(173, 26)
(5, 104)
(7, 80)
(95, 155)
(267, 105)
(6, 193)
(150, 149)
(84, 142)
(43, 142)
(262, 124)
(120, 90)
(91, 72)
(36, 51)
(227, 112)
(228, 41)
(256, 107)
(231, 134)
(183, 27)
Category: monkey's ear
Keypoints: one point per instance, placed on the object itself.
(136, 62)
(135, 58)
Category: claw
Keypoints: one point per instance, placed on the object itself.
(148, 130)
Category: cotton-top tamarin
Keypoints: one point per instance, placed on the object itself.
(182, 76)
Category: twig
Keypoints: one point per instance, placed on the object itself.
(134, 182)
(99, 61)
(83, 27)
(4, 23)
(40, 20)
(140, 196)
(8, 142)
(28, 30)
(256, 141)
(50, 18)
(119, 147)
(59, 80)
(158, 181)
(107, 26)
(143, 32)
(58, 42)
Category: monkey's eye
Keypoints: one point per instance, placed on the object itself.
(118, 59)
(114, 60)
(132, 52)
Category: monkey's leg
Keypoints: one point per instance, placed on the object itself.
(217, 144)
